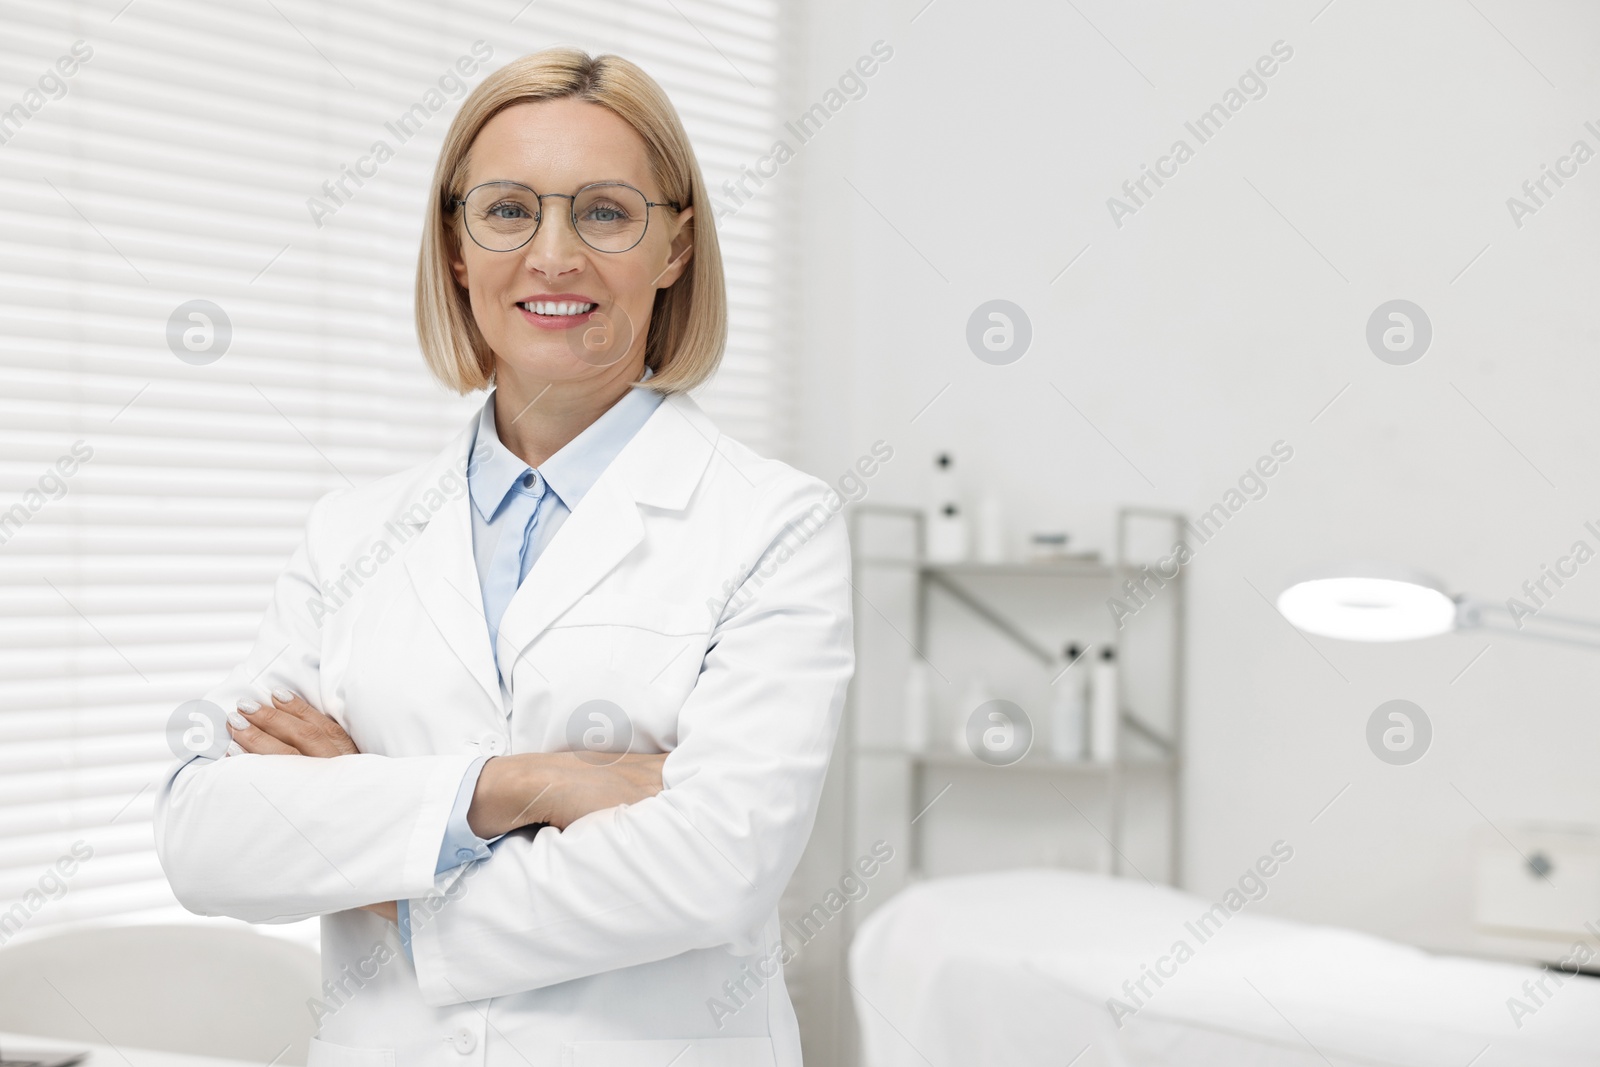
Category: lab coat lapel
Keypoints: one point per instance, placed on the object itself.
(443, 570)
(601, 530)
(659, 467)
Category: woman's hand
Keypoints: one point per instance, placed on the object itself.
(288, 726)
(291, 727)
(389, 909)
(557, 788)
(585, 785)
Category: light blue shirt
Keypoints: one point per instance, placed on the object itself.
(516, 510)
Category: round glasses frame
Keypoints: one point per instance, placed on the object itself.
(457, 202)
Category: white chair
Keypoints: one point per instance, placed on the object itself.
(194, 988)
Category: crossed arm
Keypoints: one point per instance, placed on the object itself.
(525, 789)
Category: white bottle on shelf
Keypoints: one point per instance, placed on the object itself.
(1069, 711)
(977, 694)
(945, 484)
(1104, 707)
(948, 534)
(991, 534)
(918, 706)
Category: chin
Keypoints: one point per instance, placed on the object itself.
(548, 360)
(544, 361)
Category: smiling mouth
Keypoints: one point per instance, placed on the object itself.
(560, 309)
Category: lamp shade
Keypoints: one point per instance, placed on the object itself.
(1369, 602)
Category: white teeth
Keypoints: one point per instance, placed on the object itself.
(546, 307)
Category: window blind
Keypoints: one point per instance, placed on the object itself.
(157, 154)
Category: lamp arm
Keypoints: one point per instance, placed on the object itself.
(1539, 625)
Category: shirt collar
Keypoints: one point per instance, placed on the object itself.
(574, 468)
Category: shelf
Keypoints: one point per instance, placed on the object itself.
(1086, 566)
(1031, 762)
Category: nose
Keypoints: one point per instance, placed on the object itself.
(556, 246)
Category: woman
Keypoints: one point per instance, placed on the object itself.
(580, 787)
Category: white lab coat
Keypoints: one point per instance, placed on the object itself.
(699, 587)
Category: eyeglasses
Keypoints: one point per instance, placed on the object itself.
(609, 216)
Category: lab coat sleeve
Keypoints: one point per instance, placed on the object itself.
(276, 839)
(459, 846)
(703, 863)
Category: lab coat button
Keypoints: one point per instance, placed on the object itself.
(492, 745)
(464, 1040)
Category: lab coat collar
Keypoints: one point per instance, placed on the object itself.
(573, 468)
(660, 467)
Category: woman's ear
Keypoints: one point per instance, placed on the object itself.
(681, 250)
(458, 267)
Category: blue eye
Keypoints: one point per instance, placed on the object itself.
(606, 213)
(507, 205)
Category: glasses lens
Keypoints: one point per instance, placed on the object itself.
(611, 218)
(501, 215)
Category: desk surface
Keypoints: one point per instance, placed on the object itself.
(120, 1056)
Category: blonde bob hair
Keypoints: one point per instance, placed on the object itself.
(689, 319)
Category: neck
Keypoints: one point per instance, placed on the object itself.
(534, 418)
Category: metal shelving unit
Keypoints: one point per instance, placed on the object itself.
(955, 580)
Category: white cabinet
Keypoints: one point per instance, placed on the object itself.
(1538, 882)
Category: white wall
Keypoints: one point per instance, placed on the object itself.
(1223, 317)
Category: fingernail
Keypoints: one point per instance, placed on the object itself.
(282, 695)
(234, 749)
(248, 706)
(239, 721)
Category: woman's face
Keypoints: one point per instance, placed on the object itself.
(559, 146)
